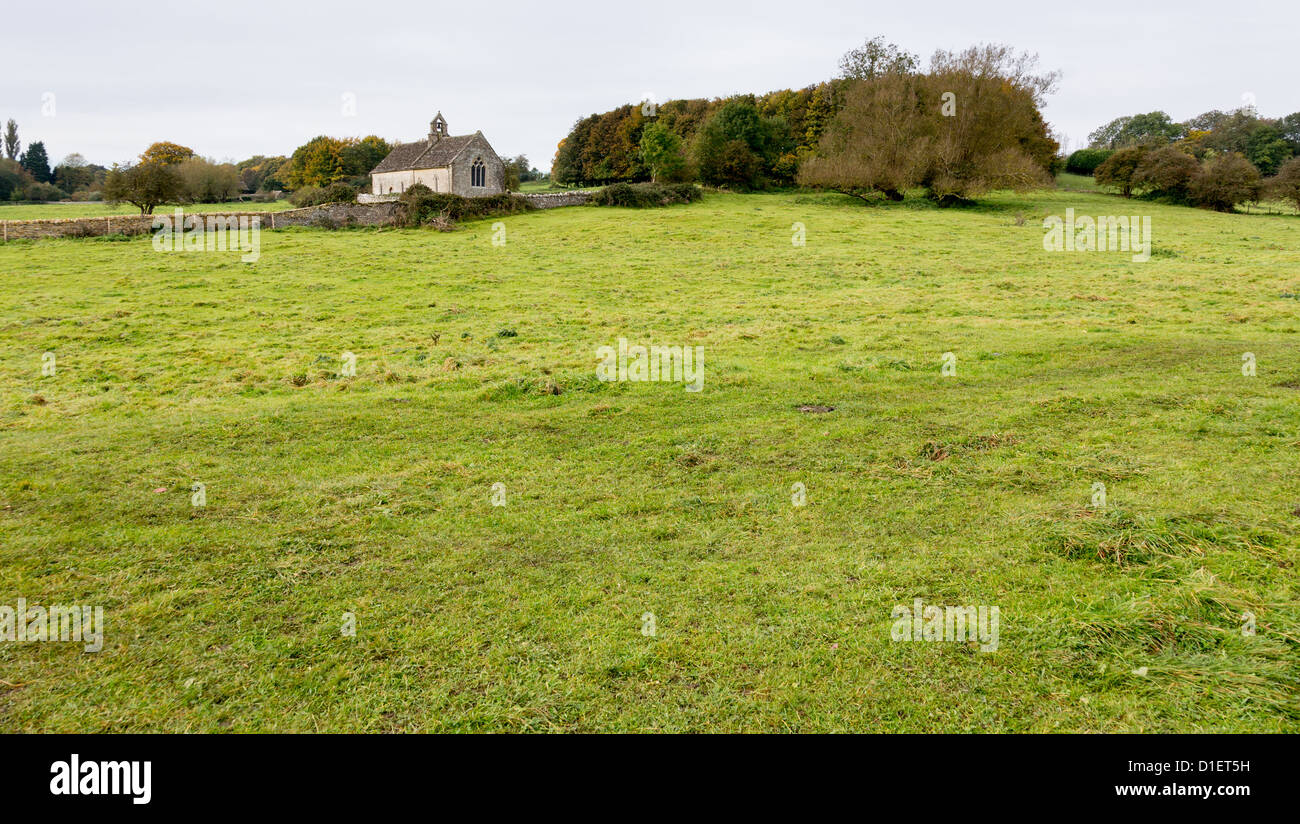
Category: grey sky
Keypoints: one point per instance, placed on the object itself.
(234, 79)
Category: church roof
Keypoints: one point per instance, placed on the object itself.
(423, 154)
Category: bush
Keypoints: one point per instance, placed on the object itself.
(646, 195)
(1224, 182)
(1166, 172)
(421, 206)
(1086, 161)
(1286, 185)
(317, 196)
(1118, 169)
(306, 196)
(42, 192)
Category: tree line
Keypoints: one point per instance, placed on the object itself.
(1216, 160)
(25, 174)
(322, 169)
(967, 124)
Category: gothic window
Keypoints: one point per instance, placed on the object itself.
(478, 173)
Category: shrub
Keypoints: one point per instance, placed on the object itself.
(1166, 172)
(340, 193)
(1117, 170)
(42, 192)
(1086, 161)
(1224, 182)
(317, 196)
(421, 206)
(1286, 185)
(646, 195)
(306, 196)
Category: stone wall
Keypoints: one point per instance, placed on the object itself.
(329, 215)
(551, 200)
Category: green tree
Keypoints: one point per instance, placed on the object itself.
(1166, 172)
(144, 185)
(1267, 149)
(360, 156)
(1204, 122)
(36, 162)
(1286, 185)
(737, 147)
(12, 178)
(1226, 181)
(1289, 128)
(662, 153)
(74, 174)
(874, 58)
(259, 173)
(1119, 168)
(1151, 129)
(12, 146)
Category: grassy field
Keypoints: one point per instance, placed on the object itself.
(536, 186)
(1076, 183)
(475, 365)
(40, 211)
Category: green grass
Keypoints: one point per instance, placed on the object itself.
(372, 494)
(541, 186)
(1076, 183)
(39, 211)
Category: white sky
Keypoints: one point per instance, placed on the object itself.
(233, 79)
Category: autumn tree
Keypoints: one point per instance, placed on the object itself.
(968, 126)
(318, 162)
(166, 153)
(203, 181)
(879, 144)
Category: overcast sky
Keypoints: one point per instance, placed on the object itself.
(234, 79)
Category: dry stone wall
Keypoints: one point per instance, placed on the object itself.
(329, 215)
